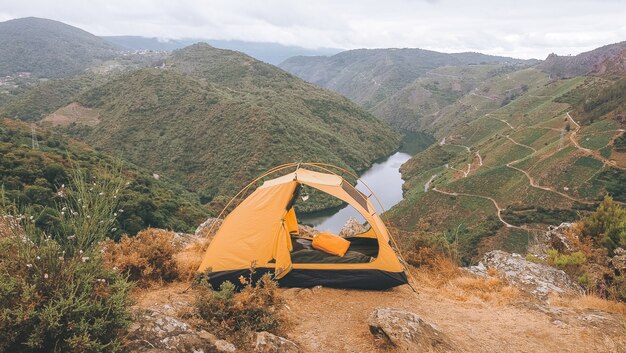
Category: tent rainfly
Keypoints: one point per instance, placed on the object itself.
(262, 233)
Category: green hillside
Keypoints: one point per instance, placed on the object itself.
(47, 48)
(370, 77)
(213, 119)
(416, 106)
(35, 177)
(507, 167)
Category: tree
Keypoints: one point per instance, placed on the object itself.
(607, 225)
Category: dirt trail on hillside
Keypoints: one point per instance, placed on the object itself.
(521, 144)
(595, 154)
(495, 203)
(331, 320)
(531, 180)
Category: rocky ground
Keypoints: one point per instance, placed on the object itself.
(504, 304)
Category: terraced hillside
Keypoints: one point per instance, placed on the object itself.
(502, 173)
(435, 100)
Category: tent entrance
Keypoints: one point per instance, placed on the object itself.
(362, 249)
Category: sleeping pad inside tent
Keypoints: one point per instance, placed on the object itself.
(262, 233)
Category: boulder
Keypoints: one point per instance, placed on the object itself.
(351, 228)
(208, 228)
(269, 343)
(307, 231)
(559, 240)
(554, 238)
(155, 330)
(536, 279)
(618, 261)
(407, 332)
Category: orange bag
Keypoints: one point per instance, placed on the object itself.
(330, 243)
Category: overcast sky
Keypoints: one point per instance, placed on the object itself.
(519, 28)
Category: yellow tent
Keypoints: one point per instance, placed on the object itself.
(262, 232)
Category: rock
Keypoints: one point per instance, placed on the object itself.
(618, 261)
(307, 231)
(208, 228)
(559, 240)
(155, 329)
(554, 238)
(291, 292)
(537, 279)
(269, 343)
(224, 346)
(479, 270)
(305, 292)
(407, 332)
(351, 228)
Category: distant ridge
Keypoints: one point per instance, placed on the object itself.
(367, 76)
(271, 53)
(48, 48)
(581, 64)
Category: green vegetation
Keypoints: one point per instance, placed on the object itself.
(564, 260)
(598, 102)
(55, 295)
(539, 215)
(613, 181)
(35, 103)
(607, 225)
(392, 83)
(216, 119)
(620, 143)
(38, 177)
(415, 142)
(564, 177)
(238, 315)
(48, 48)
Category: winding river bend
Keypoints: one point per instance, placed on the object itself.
(383, 178)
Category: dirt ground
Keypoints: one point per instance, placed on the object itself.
(333, 320)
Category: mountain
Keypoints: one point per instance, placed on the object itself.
(35, 176)
(47, 48)
(214, 119)
(272, 53)
(512, 164)
(581, 64)
(424, 104)
(368, 76)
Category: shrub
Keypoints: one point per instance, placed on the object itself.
(566, 260)
(427, 247)
(607, 225)
(55, 295)
(50, 302)
(145, 258)
(239, 315)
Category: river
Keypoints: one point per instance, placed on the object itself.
(383, 178)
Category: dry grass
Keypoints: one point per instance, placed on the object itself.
(147, 258)
(188, 260)
(491, 289)
(445, 276)
(439, 271)
(589, 302)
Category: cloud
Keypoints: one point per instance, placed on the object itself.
(526, 29)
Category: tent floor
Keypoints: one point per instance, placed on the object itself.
(336, 278)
